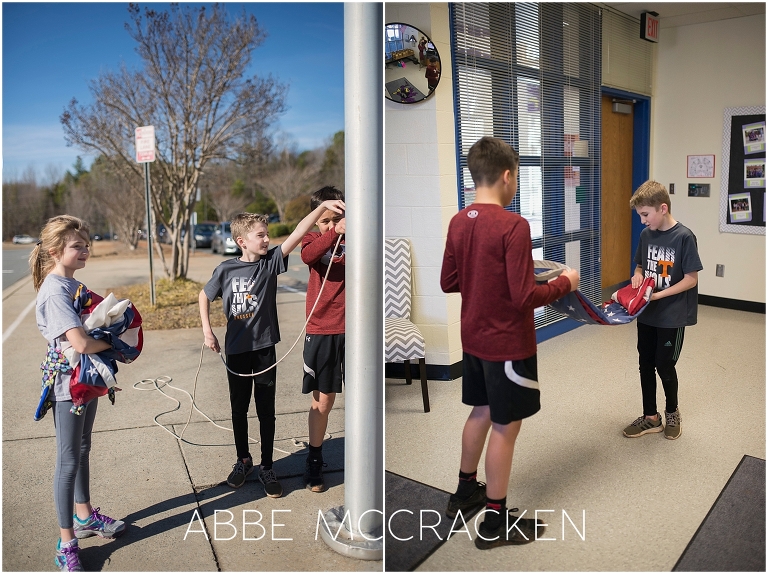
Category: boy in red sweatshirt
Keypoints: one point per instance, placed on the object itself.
(324, 343)
(488, 260)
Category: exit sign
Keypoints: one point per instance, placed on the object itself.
(649, 26)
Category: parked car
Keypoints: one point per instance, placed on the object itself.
(24, 239)
(204, 233)
(222, 241)
(162, 234)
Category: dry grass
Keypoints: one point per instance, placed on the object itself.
(176, 304)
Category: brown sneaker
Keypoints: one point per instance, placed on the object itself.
(674, 425)
(643, 425)
(313, 475)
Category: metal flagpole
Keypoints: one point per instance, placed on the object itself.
(356, 529)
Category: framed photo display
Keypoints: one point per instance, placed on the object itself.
(743, 171)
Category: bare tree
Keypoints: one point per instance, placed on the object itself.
(120, 200)
(192, 88)
(24, 205)
(219, 183)
(332, 171)
(80, 203)
(288, 176)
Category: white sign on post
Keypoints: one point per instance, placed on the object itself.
(145, 144)
(145, 153)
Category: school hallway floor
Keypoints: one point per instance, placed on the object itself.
(639, 501)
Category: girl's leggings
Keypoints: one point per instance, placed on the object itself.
(73, 447)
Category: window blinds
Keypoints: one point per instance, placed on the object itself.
(529, 73)
(626, 57)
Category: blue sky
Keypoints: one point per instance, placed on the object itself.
(52, 50)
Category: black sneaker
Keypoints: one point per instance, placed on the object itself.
(269, 480)
(523, 532)
(240, 470)
(474, 500)
(313, 475)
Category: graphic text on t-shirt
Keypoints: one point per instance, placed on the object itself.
(244, 302)
(660, 262)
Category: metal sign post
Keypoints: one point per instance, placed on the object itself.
(145, 153)
(191, 231)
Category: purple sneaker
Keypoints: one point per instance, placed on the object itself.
(98, 525)
(67, 559)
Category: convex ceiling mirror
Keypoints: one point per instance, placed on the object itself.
(411, 64)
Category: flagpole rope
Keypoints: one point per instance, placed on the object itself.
(165, 381)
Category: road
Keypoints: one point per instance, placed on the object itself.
(15, 263)
(296, 268)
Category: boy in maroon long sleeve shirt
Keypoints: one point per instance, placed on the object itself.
(324, 343)
(488, 260)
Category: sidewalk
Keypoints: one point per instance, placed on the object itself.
(144, 475)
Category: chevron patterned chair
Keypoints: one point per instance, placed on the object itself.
(402, 339)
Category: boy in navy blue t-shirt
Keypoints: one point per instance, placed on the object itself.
(668, 253)
(248, 288)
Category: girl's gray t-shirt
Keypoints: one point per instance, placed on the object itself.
(55, 314)
(249, 293)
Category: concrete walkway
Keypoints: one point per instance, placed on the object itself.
(181, 515)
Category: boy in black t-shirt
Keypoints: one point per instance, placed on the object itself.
(667, 252)
(248, 288)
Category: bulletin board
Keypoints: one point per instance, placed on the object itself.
(743, 176)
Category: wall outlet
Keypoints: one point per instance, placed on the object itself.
(671, 188)
(720, 270)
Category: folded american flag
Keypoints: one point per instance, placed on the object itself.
(625, 305)
(117, 322)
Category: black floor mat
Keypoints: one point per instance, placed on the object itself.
(427, 505)
(732, 536)
(414, 96)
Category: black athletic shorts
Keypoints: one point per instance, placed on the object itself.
(323, 363)
(509, 388)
